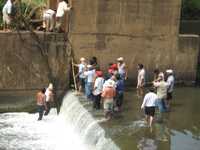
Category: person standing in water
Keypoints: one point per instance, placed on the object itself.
(49, 98)
(122, 68)
(141, 80)
(170, 82)
(149, 104)
(40, 98)
(108, 95)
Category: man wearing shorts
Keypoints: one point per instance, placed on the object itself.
(149, 104)
(108, 95)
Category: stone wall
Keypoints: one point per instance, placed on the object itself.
(22, 65)
(140, 31)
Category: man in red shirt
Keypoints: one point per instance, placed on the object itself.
(40, 97)
(108, 95)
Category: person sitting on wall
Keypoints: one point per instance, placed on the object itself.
(7, 14)
(48, 19)
(60, 14)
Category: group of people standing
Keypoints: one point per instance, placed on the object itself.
(98, 87)
(52, 19)
(159, 95)
(44, 99)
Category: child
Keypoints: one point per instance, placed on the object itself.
(98, 87)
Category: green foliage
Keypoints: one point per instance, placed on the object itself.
(26, 9)
(190, 10)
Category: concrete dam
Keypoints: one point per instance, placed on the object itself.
(140, 31)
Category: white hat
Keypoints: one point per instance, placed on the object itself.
(89, 66)
(161, 75)
(120, 59)
(82, 59)
(109, 83)
(169, 71)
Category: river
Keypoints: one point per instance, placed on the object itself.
(176, 130)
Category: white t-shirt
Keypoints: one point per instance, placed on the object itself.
(149, 100)
(81, 69)
(7, 9)
(62, 7)
(98, 85)
(90, 75)
(48, 95)
(107, 83)
(48, 14)
(170, 82)
(141, 76)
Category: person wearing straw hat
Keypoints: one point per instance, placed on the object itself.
(49, 98)
(170, 81)
(162, 87)
(122, 68)
(82, 67)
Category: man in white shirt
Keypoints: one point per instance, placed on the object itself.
(161, 87)
(7, 11)
(49, 98)
(60, 14)
(48, 19)
(170, 82)
(149, 104)
(98, 88)
(140, 80)
(90, 76)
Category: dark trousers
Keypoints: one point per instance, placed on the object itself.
(40, 111)
(97, 101)
(119, 98)
(48, 108)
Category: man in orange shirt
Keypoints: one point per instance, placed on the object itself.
(108, 95)
(40, 97)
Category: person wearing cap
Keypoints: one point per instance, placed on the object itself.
(108, 95)
(149, 104)
(119, 92)
(141, 80)
(49, 98)
(40, 98)
(97, 90)
(170, 82)
(162, 87)
(122, 68)
(82, 67)
(90, 77)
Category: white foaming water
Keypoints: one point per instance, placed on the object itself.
(85, 125)
(70, 130)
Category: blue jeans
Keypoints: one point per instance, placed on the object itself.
(161, 105)
(88, 90)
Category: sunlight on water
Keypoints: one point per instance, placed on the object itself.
(71, 129)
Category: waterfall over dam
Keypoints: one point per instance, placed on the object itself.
(84, 124)
(73, 129)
